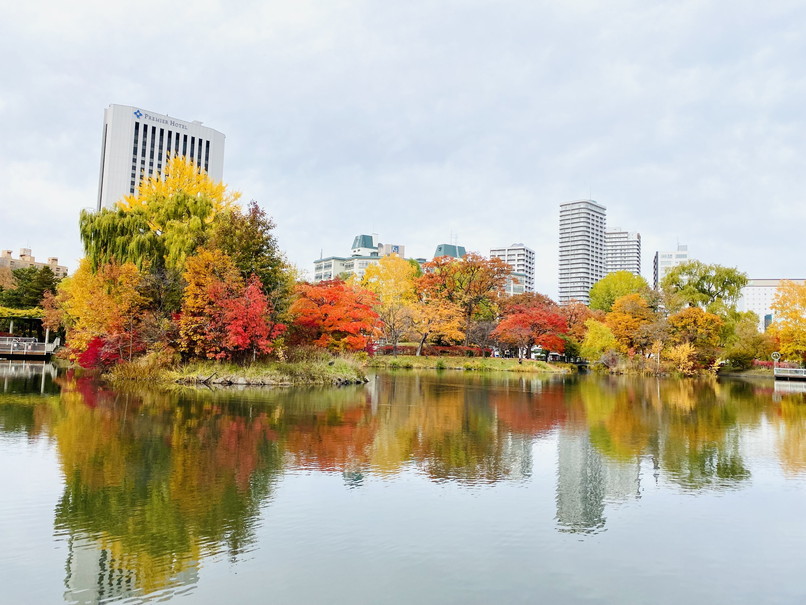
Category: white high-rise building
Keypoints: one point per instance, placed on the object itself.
(665, 261)
(522, 261)
(136, 144)
(622, 251)
(582, 249)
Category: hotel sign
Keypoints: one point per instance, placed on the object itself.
(168, 122)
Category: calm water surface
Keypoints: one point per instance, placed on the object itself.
(418, 487)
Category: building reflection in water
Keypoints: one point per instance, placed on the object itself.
(96, 574)
(587, 481)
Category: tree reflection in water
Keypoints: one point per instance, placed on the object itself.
(158, 480)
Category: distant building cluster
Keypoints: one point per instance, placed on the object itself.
(26, 261)
(136, 144)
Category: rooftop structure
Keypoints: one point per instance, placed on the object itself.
(450, 250)
(366, 251)
(25, 261)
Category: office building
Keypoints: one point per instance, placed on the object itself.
(26, 261)
(622, 251)
(758, 295)
(522, 261)
(137, 142)
(665, 261)
(365, 251)
(582, 249)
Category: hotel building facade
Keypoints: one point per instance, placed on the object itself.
(137, 142)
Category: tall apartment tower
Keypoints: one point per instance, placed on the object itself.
(622, 251)
(137, 142)
(582, 249)
(665, 261)
(522, 261)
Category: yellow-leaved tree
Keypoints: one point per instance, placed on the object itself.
(789, 325)
(436, 318)
(167, 219)
(101, 304)
(392, 282)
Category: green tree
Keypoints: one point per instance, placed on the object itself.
(613, 286)
(713, 288)
(29, 287)
(248, 239)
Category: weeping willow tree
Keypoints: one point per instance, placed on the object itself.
(159, 227)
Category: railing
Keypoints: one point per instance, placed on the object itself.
(790, 373)
(24, 347)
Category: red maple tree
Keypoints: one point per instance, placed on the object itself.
(334, 315)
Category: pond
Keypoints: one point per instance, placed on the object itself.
(429, 487)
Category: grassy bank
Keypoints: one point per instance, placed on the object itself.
(478, 364)
(334, 371)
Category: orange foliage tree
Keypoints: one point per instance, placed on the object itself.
(472, 282)
(334, 315)
(221, 317)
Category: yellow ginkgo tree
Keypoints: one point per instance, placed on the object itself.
(163, 223)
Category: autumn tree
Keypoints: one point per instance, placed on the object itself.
(392, 282)
(167, 219)
(435, 318)
(576, 315)
(613, 286)
(212, 279)
(598, 340)
(102, 306)
(713, 288)
(247, 237)
(248, 322)
(524, 327)
(334, 315)
(746, 343)
(472, 282)
(630, 314)
(789, 324)
(699, 329)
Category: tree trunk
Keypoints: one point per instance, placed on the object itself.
(420, 346)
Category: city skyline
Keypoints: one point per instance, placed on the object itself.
(411, 119)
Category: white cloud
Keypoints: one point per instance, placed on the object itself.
(421, 119)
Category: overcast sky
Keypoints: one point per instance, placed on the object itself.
(424, 121)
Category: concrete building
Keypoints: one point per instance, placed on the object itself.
(137, 142)
(366, 251)
(758, 295)
(26, 260)
(665, 261)
(582, 249)
(622, 251)
(522, 261)
(450, 250)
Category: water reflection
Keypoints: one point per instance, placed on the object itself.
(157, 481)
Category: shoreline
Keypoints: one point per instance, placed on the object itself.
(467, 364)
